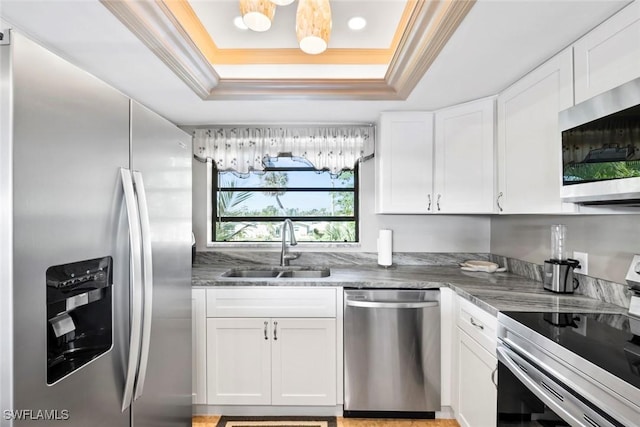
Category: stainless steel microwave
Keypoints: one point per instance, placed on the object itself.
(601, 147)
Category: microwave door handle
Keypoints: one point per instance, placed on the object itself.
(135, 273)
(147, 276)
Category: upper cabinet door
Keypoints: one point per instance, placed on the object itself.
(529, 144)
(609, 55)
(404, 159)
(464, 166)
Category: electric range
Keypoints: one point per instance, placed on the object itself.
(570, 369)
(559, 369)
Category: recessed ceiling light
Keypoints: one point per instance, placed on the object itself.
(357, 23)
(239, 23)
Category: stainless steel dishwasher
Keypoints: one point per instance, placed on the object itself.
(392, 353)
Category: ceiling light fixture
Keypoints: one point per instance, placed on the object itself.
(282, 2)
(357, 23)
(313, 25)
(257, 14)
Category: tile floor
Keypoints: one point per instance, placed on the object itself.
(211, 421)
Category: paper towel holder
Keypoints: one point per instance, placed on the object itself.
(385, 248)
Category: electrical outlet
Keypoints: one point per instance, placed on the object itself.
(583, 258)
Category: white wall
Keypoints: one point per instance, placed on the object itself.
(412, 233)
(609, 240)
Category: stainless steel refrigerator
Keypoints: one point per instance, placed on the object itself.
(95, 297)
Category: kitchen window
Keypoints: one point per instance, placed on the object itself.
(250, 207)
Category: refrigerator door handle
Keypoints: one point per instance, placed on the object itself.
(135, 257)
(147, 270)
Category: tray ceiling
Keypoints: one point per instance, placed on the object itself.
(199, 42)
(497, 43)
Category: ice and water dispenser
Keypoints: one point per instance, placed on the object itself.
(79, 315)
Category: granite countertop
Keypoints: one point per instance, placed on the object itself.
(493, 292)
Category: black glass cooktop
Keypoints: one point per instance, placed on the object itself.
(606, 340)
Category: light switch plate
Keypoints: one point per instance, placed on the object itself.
(633, 280)
(583, 258)
(633, 275)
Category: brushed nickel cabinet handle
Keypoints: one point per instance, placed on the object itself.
(493, 377)
(477, 325)
(429, 206)
(275, 331)
(498, 201)
(438, 202)
(266, 325)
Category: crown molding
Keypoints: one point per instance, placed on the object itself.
(429, 25)
(303, 89)
(157, 28)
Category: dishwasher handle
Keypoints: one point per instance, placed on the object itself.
(394, 304)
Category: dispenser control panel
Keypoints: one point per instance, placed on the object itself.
(79, 314)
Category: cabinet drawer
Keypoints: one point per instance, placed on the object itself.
(271, 302)
(480, 325)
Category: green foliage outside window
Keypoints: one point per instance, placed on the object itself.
(251, 208)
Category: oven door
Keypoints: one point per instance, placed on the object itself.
(528, 395)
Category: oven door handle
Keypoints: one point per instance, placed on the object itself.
(519, 368)
(571, 408)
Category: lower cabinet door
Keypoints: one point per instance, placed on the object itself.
(238, 361)
(199, 347)
(477, 392)
(304, 361)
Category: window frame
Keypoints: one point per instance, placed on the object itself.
(212, 182)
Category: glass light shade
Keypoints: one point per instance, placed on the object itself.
(282, 2)
(257, 14)
(313, 25)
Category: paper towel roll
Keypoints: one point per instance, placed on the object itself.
(385, 248)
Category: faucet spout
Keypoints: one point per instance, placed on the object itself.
(285, 256)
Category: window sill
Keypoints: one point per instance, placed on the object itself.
(301, 246)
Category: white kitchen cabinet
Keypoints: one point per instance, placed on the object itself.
(475, 364)
(609, 55)
(404, 163)
(272, 346)
(451, 171)
(529, 144)
(464, 158)
(238, 361)
(262, 361)
(477, 401)
(198, 346)
(303, 362)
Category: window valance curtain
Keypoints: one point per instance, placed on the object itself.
(242, 149)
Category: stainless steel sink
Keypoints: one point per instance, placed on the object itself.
(279, 272)
(236, 272)
(306, 274)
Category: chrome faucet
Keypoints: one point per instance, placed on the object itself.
(285, 256)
